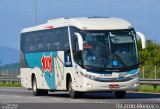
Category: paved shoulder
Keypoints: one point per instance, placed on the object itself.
(24, 96)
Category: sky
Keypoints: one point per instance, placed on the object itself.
(15, 15)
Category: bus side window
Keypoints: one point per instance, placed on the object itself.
(31, 42)
(26, 40)
(32, 48)
(49, 46)
(48, 35)
(40, 47)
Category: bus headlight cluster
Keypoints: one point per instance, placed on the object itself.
(136, 75)
(89, 85)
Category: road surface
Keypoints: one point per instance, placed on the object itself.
(25, 99)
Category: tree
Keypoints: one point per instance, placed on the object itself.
(150, 55)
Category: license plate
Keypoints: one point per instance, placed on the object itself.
(106, 75)
(113, 86)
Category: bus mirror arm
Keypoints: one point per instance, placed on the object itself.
(143, 39)
(80, 40)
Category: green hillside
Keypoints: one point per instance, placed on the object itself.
(10, 69)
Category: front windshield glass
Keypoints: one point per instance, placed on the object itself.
(109, 49)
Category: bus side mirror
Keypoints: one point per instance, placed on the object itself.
(143, 39)
(80, 40)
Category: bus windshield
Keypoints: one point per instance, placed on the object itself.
(109, 49)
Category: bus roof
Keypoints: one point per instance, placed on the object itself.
(84, 23)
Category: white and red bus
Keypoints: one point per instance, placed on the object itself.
(80, 55)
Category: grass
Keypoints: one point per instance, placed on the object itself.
(9, 84)
(149, 88)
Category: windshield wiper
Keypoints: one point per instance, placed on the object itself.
(97, 68)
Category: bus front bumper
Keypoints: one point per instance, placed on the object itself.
(91, 85)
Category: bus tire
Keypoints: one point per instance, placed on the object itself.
(120, 94)
(36, 91)
(73, 94)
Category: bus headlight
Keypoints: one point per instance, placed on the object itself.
(88, 76)
(136, 75)
(89, 85)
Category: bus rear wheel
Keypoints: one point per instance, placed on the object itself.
(120, 94)
(73, 94)
(36, 91)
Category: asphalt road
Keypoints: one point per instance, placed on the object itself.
(25, 99)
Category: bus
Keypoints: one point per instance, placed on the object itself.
(79, 55)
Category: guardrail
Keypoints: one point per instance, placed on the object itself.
(149, 81)
(9, 79)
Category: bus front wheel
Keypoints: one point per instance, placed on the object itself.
(36, 91)
(73, 94)
(120, 94)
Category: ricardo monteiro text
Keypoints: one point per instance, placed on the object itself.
(138, 106)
